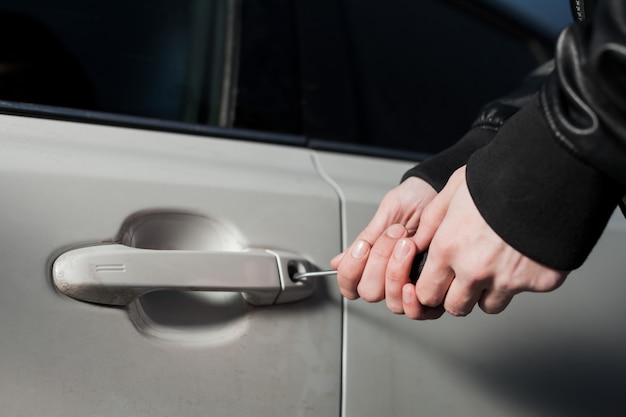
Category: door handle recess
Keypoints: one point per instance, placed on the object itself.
(115, 274)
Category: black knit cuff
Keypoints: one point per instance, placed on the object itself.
(437, 170)
(537, 196)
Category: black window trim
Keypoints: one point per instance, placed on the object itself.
(143, 123)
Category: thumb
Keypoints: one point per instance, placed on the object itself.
(436, 211)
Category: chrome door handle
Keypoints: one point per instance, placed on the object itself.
(116, 274)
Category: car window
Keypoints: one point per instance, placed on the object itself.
(157, 59)
(417, 73)
(547, 16)
(402, 75)
(268, 85)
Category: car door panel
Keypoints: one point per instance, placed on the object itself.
(67, 185)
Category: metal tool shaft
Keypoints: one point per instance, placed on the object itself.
(416, 270)
(313, 274)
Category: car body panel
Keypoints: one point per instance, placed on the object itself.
(70, 184)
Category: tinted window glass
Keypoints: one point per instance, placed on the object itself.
(548, 16)
(268, 85)
(152, 58)
(412, 75)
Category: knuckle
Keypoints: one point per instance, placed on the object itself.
(548, 282)
(457, 311)
(348, 283)
(377, 253)
(394, 307)
(444, 248)
(495, 302)
(473, 278)
(493, 309)
(370, 294)
(428, 215)
(349, 294)
(395, 277)
(349, 274)
(429, 300)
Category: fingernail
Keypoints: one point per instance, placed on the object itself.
(402, 249)
(407, 294)
(395, 231)
(359, 250)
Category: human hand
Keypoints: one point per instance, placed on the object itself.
(361, 267)
(468, 263)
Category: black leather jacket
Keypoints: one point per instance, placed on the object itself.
(585, 101)
(582, 9)
(546, 170)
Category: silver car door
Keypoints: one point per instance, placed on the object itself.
(172, 351)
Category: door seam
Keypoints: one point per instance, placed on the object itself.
(344, 316)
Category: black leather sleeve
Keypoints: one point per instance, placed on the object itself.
(553, 175)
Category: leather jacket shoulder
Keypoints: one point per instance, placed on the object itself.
(584, 100)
